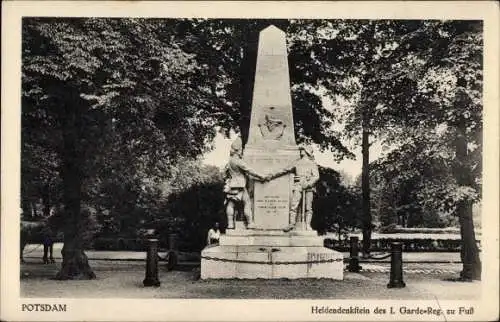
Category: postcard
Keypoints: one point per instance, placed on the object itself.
(250, 161)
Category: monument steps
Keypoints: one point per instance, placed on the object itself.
(281, 241)
(270, 232)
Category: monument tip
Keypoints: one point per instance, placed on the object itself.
(272, 28)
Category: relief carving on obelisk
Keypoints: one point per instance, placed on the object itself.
(271, 127)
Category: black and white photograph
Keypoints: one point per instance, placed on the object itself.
(291, 161)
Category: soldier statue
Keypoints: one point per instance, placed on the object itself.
(237, 173)
(306, 176)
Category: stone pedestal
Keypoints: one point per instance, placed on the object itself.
(270, 255)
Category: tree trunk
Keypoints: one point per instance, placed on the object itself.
(75, 263)
(365, 187)
(46, 201)
(469, 252)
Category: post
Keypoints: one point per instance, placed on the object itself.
(152, 264)
(354, 255)
(396, 278)
(172, 254)
(172, 242)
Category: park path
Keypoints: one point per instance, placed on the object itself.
(36, 251)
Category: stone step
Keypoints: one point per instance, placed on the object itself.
(269, 232)
(275, 241)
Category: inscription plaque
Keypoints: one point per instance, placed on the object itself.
(271, 204)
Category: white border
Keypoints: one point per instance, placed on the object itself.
(149, 309)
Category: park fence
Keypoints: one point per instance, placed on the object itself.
(396, 255)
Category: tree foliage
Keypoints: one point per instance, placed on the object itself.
(106, 100)
(336, 206)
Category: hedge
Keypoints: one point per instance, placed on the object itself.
(393, 228)
(133, 244)
(413, 244)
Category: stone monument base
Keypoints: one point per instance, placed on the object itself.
(251, 256)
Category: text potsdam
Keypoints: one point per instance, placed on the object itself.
(43, 307)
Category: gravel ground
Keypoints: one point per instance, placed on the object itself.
(123, 279)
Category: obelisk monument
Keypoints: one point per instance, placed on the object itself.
(265, 248)
(271, 139)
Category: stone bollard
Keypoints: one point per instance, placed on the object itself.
(152, 264)
(354, 256)
(396, 278)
